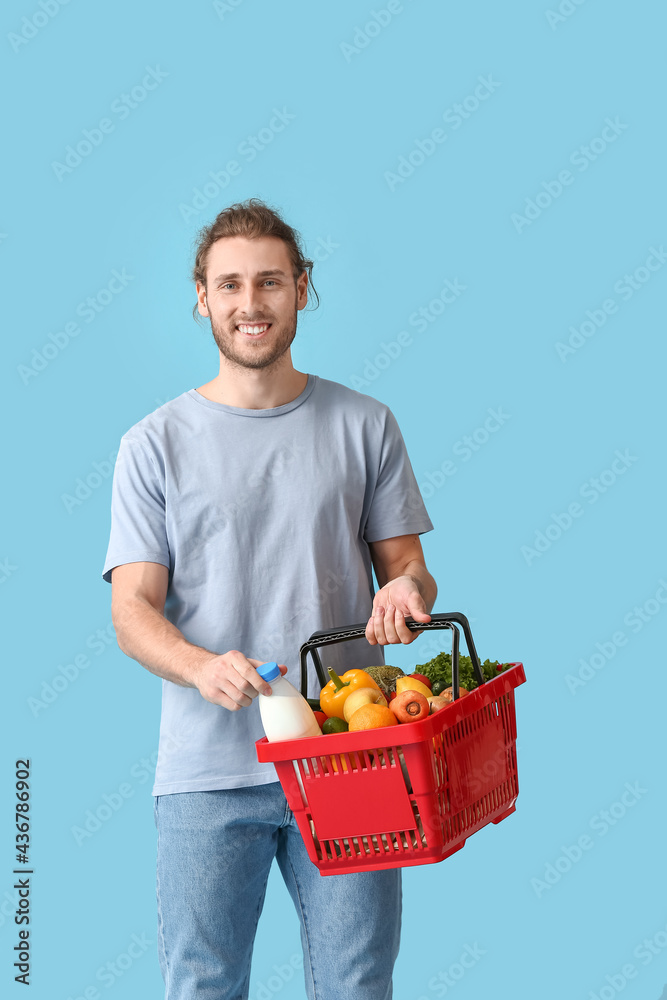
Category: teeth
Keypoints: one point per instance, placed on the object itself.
(244, 328)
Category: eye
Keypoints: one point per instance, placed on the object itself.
(228, 284)
(269, 281)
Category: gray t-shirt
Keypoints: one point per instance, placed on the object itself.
(263, 518)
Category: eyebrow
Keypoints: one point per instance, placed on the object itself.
(260, 274)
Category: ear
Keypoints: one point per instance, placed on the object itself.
(201, 299)
(302, 290)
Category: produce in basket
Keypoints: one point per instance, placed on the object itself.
(385, 678)
(410, 706)
(448, 694)
(423, 678)
(362, 696)
(412, 684)
(334, 725)
(439, 671)
(372, 717)
(334, 694)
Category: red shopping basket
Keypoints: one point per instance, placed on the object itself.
(409, 794)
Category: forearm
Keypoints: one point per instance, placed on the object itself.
(145, 634)
(428, 588)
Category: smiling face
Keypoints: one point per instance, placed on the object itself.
(252, 299)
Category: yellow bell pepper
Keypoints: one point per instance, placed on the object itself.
(334, 695)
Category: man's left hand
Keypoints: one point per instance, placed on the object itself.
(398, 599)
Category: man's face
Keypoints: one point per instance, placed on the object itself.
(250, 287)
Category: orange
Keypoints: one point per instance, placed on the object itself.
(372, 717)
(353, 758)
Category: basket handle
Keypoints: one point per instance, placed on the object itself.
(445, 621)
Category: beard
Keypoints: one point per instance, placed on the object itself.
(243, 353)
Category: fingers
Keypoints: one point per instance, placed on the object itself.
(370, 627)
(375, 628)
(390, 624)
(387, 625)
(229, 702)
(266, 689)
(413, 636)
(245, 683)
(405, 634)
(222, 692)
(231, 680)
(244, 676)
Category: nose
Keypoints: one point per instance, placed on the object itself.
(248, 304)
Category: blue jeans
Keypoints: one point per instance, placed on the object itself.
(214, 853)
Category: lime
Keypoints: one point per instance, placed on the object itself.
(334, 725)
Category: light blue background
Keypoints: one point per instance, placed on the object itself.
(495, 346)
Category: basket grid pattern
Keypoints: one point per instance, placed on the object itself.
(369, 845)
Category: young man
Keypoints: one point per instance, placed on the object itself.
(247, 514)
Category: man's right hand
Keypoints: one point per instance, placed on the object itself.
(231, 680)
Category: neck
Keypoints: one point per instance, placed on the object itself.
(249, 389)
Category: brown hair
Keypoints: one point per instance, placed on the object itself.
(252, 219)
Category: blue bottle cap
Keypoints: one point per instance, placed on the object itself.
(269, 671)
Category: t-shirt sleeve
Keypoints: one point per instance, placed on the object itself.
(397, 506)
(138, 524)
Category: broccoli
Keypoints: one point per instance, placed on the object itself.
(440, 669)
(385, 677)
